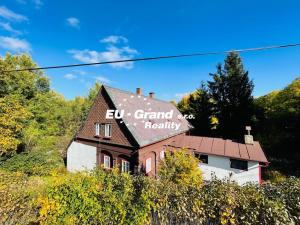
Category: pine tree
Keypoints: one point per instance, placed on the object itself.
(231, 90)
(201, 107)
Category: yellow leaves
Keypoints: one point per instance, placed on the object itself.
(181, 167)
(214, 122)
(12, 117)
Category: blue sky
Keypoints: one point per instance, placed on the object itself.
(63, 32)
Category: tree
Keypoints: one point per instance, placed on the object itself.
(25, 84)
(90, 99)
(12, 120)
(277, 117)
(200, 105)
(181, 167)
(231, 91)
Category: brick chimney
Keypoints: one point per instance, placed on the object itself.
(139, 91)
(248, 137)
(151, 94)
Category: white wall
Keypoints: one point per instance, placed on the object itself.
(220, 167)
(81, 157)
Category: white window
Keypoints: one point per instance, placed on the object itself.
(148, 165)
(162, 155)
(97, 129)
(125, 166)
(107, 130)
(106, 161)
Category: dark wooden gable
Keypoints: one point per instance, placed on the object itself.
(120, 134)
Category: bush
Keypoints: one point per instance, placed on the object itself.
(287, 193)
(16, 195)
(94, 198)
(177, 192)
(41, 160)
(176, 197)
(181, 167)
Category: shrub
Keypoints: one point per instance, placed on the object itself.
(41, 160)
(16, 195)
(287, 193)
(176, 197)
(94, 198)
(177, 192)
(180, 167)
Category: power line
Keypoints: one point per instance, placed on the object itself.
(157, 58)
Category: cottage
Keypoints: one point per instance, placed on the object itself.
(124, 141)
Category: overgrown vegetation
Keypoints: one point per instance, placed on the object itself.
(36, 124)
(179, 196)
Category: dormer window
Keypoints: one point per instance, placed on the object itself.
(97, 129)
(107, 130)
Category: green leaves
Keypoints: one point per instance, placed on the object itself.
(102, 197)
(12, 121)
(96, 198)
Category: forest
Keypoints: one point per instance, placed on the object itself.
(37, 124)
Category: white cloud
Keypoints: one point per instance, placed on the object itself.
(73, 22)
(9, 28)
(113, 39)
(10, 15)
(112, 53)
(69, 76)
(14, 44)
(103, 79)
(37, 3)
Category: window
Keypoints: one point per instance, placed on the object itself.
(148, 165)
(106, 161)
(97, 129)
(201, 157)
(162, 155)
(107, 130)
(125, 166)
(239, 164)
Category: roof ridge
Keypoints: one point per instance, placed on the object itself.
(130, 92)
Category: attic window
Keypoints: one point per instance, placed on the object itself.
(97, 129)
(107, 130)
(239, 164)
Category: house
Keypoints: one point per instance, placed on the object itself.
(133, 131)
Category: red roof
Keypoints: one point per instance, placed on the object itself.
(221, 147)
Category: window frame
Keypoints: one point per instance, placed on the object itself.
(239, 164)
(162, 155)
(105, 157)
(148, 166)
(125, 166)
(97, 128)
(107, 128)
(200, 156)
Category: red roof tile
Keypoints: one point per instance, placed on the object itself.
(221, 147)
